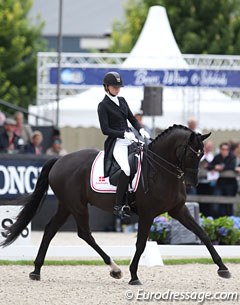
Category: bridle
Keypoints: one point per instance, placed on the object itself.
(178, 170)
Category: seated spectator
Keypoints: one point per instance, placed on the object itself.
(34, 146)
(226, 186)
(56, 148)
(22, 130)
(9, 142)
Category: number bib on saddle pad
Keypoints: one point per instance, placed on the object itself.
(101, 184)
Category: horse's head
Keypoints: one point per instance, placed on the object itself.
(189, 155)
(178, 150)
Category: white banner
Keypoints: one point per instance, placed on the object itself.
(8, 215)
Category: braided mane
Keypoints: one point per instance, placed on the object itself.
(167, 131)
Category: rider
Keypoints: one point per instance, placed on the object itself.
(113, 113)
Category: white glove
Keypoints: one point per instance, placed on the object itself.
(129, 136)
(144, 133)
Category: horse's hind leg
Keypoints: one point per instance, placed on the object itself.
(50, 230)
(82, 220)
(185, 218)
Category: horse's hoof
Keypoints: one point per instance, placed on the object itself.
(224, 273)
(34, 276)
(134, 282)
(116, 274)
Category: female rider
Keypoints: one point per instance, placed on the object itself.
(113, 113)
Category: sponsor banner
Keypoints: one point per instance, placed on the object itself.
(142, 77)
(8, 216)
(19, 176)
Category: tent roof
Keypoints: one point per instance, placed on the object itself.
(156, 46)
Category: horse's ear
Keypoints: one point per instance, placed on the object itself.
(205, 136)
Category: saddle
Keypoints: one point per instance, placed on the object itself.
(133, 159)
(102, 184)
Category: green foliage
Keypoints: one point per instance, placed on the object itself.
(204, 26)
(223, 230)
(19, 43)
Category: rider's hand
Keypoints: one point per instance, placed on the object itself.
(129, 136)
(144, 133)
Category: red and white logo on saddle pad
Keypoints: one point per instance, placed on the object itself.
(101, 184)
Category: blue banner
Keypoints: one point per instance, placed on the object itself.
(174, 78)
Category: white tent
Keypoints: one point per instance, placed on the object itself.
(156, 48)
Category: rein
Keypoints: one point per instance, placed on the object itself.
(175, 171)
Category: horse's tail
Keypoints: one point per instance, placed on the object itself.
(31, 203)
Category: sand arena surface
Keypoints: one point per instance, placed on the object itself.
(75, 285)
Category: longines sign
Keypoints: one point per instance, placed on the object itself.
(142, 77)
(19, 177)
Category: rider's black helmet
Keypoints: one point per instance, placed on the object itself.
(112, 79)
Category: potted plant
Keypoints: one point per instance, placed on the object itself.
(223, 230)
(160, 229)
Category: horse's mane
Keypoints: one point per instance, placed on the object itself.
(166, 132)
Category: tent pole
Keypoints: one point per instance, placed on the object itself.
(59, 59)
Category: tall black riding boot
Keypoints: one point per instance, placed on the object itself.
(120, 209)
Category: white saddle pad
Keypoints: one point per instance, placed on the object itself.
(101, 184)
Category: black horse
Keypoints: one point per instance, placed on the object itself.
(172, 159)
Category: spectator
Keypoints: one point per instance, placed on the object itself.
(226, 186)
(56, 148)
(2, 118)
(236, 153)
(9, 141)
(22, 130)
(35, 145)
(205, 186)
(192, 124)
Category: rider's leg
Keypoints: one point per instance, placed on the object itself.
(120, 154)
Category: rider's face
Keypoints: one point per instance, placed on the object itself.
(114, 90)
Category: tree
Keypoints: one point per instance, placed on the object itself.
(19, 43)
(204, 26)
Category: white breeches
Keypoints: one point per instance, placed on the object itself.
(120, 153)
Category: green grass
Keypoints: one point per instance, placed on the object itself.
(181, 261)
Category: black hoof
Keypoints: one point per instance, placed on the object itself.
(34, 276)
(116, 274)
(224, 273)
(134, 282)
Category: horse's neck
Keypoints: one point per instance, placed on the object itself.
(165, 148)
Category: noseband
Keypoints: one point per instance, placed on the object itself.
(182, 159)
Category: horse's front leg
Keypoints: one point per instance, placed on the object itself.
(142, 236)
(185, 218)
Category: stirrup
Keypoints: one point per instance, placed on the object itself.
(121, 211)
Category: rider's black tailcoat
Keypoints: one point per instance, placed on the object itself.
(113, 122)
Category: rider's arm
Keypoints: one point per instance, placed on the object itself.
(104, 124)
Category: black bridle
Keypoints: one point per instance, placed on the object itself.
(178, 170)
